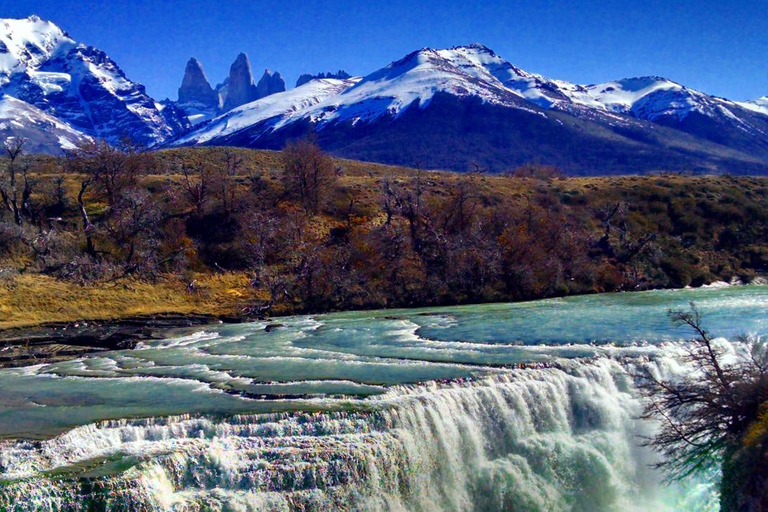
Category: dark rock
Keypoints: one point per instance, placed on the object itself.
(60, 341)
(240, 87)
(270, 83)
(195, 87)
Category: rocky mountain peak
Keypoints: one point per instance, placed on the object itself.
(240, 86)
(195, 87)
(55, 78)
(270, 83)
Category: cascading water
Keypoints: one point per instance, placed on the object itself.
(548, 439)
(359, 412)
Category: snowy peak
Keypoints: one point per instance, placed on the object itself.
(760, 105)
(482, 62)
(416, 78)
(27, 43)
(644, 97)
(43, 67)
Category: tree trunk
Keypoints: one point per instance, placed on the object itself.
(87, 226)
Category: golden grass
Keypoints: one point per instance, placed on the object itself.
(758, 430)
(28, 300)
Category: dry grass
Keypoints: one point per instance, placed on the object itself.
(28, 300)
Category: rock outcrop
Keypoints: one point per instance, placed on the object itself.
(270, 83)
(240, 86)
(195, 87)
(340, 75)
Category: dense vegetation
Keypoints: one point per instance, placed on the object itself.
(300, 231)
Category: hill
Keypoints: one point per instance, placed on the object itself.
(237, 232)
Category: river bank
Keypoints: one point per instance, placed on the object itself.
(61, 341)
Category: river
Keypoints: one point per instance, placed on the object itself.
(526, 406)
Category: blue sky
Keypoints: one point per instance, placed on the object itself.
(717, 47)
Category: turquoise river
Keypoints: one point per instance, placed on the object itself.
(528, 406)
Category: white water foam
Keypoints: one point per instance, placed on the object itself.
(549, 439)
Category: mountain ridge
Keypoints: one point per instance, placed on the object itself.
(690, 129)
(456, 108)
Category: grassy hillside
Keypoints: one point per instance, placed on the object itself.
(241, 232)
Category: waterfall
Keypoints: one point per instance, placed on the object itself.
(560, 438)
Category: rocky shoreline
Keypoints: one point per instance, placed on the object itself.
(51, 342)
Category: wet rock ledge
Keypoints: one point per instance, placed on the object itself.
(52, 342)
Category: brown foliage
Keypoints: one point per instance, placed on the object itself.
(310, 237)
(308, 173)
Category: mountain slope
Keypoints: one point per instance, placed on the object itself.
(41, 130)
(267, 114)
(759, 105)
(463, 106)
(42, 66)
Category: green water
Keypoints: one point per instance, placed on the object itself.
(526, 406)
(325, 361)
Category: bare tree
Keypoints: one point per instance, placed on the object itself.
(308, 173)
(705, 413)
(227, 173)
(408, 203)
(15, 186)
(196, 186)
(110, 169)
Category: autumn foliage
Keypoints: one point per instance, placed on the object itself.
(313, 233)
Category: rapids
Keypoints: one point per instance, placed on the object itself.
(525, 406)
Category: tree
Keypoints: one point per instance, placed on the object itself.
(407, 202)
(15, 186)
(308, 173)
(196, 186)
(134, 229)
(705, 413)
(109, 168)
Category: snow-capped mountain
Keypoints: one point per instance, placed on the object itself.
(511, 116)
(450, 108)
(80, 85)
(269, 113)
(760, 105)
(388, 92)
